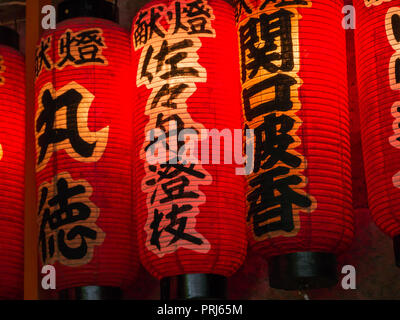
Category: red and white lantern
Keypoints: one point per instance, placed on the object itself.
(12, 159)
(84, 154)
(191, 218)
(294, 95)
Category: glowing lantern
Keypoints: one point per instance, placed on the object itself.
(12, 157)
(191, 217)
(84, 153)
(378, 47)
(294, 87)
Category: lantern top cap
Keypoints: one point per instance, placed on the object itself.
(103, 9)
(9, 37)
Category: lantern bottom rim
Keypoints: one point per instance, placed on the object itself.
(194, 286)
(91, 293)
(396, 249)
(302, 271)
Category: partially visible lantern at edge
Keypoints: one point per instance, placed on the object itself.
(294, 95)
(12, 157)
(378, 68)
(84, 152)
(191, 216)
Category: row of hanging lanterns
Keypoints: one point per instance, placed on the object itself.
(100, 96)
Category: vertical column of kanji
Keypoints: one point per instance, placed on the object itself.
(84, 153)
(190, 211)
(378, 68)
(12, 153)
(293, 73)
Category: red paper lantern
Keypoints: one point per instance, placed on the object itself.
(294, 87)
(84, 152)
(191, 217)
(378, 45)
(12, 157)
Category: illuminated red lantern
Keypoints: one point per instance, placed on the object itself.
(378, 67)
(12, 157)
(84, 152)
(294, 87)
(191, 216)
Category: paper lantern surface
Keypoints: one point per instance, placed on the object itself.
(378, 69)
(12, 159)
(190, 216)
(294, 95)
(84, 154)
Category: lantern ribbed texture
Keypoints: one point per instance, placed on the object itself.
(214, 103)
(12, 157)
(98, 72)
(378, 110)
(321, 117)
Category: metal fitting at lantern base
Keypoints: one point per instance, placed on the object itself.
(9, 37)
(302, 271)
(91, 293)
(195, 286)
(396, 248)
(103, 9)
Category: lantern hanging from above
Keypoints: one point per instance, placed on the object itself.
(378, 68)
(84, 153)
(12, 159)
(191, 220)
(294, 95)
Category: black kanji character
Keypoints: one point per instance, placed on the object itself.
(71, 100)
(179, 232)
(198, 17)
(172, 92)
(160, 124)
(86, 43)
(272, 141)
(41, 58)
(173, 61)
(275, 28)
(272, 199)
(174, 189)
(64, 214)
(170, 171)
(281, 102)
(144, 30)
